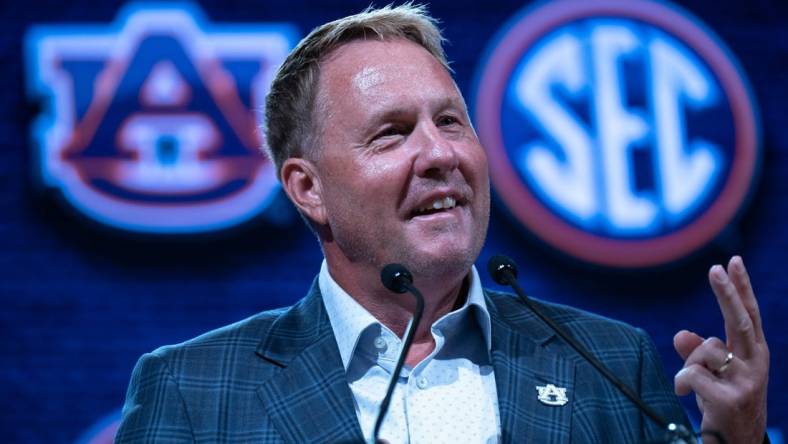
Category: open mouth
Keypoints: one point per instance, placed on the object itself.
(436, 206)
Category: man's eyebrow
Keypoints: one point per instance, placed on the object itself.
(389, 114)
(398, 113)
(450, 102)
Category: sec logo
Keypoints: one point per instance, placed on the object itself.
(619, 132)
(150, 124)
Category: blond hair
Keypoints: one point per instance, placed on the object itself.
(290, 111)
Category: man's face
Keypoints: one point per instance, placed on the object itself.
(403, 177)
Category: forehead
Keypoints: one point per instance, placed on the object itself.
(376, 74)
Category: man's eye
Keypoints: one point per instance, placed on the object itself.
(447, 120)
(392, 131)
(388, 132)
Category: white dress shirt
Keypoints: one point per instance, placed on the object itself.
(448, 397)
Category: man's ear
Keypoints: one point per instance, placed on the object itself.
(303, 187)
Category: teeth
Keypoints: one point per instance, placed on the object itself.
(446, 203)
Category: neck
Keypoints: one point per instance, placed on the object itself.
(442, 294)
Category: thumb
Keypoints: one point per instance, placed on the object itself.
(685, 342)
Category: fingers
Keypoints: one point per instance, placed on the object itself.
(685, 342)
(741, 280)
(701, 370)
(739, 329)
(699, 379)
(711, 354)
(729, 380)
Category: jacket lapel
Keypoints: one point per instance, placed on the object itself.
(308, 399)
(522, 362)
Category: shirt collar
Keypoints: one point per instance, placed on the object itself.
(349, 319)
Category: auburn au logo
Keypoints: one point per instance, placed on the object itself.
(151, 124)
(619, 131)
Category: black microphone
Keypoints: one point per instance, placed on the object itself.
(395, 277)
(398, 279)
(503, 270)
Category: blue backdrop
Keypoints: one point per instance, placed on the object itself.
(82, 302)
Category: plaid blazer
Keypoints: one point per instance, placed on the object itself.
(278, 377)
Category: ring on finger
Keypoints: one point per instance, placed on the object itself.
(725, 364)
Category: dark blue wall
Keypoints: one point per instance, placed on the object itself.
(81, 303)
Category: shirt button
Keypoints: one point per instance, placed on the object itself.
(380, 343)
(422, 383)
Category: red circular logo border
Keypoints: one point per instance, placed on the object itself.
(548, 226)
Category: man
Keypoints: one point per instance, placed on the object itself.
(373, 145)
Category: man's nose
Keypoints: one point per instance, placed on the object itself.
(437, 155)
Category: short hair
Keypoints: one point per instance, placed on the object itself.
(290, 114)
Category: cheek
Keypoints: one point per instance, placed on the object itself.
(480, 156)
(476, 167)
(383, 177)
(392, 163)
(366, 185)
(477, 174)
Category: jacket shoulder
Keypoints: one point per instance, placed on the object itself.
(239, 339)
(594, 331)
(178, 393)
(627, 351)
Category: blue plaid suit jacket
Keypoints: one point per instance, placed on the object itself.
(278, 377)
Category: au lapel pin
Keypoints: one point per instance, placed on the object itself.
(552, 395)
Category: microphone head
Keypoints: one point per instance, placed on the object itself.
(501, 269)
(394, 276)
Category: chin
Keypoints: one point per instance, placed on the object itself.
(442, 261)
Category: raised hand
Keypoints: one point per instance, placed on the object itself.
(729, 378)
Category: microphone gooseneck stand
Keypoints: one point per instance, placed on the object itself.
(398, 279)
(503, 270)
